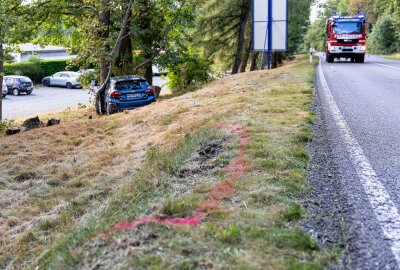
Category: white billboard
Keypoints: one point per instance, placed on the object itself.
(279, 21)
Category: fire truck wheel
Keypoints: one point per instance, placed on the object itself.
(329, 58)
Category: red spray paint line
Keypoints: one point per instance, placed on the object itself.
(222, 190)
(218, 192)
(190, 221)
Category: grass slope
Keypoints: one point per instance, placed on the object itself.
(393, 56)
(63, 188)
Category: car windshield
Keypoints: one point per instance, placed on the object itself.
(348, 28)
(24, 80)
(131, 85)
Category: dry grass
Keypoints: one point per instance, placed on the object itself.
(84, 160)
(52, 179)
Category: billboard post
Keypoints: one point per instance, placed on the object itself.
(270, 8)
(270, 27)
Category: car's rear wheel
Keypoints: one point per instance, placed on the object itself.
(16, 92)
(69, 85)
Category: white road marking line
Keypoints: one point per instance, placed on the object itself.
(383, 65)
(384, 208)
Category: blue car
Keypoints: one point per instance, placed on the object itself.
(126, 93)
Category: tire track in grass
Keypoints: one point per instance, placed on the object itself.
(224, 189)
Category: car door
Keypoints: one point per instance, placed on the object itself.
(64, 79)
(9, 84)
(56, 79)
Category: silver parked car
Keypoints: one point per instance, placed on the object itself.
(67, 79)
(4, 90)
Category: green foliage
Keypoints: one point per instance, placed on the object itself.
(299, 13)
(315, 37)
(295, 238)
(188, 72)
(230, 235)
(181, 207)
(293, 264)
(37, 70)
(383, 38)
(33, 58)
(4, 125)
(29, 69)
(293, 212)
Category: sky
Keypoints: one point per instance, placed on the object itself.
(315, 9)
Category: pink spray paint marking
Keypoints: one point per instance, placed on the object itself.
(218, 192)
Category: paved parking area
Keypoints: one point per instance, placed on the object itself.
(43, 100)
(50, 99)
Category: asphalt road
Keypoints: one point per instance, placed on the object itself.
(50, 99)
(356, 167)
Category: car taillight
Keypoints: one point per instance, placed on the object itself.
(149, 91)
(115, 94)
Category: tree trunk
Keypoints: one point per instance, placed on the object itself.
(1, 74)
(242, 29)
(148, 75)
(246, 56)
(104, 34)
(124, 58)
(145, 23)
(254, 59)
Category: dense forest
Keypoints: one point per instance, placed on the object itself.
(383, 23)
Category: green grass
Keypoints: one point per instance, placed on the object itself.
(393, 56)
(131, 201)
(181, 207)
(255, 227)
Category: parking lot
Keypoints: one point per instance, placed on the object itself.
(50, 99)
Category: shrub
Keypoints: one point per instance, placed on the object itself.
(29, 69)
(4, 125)
(383, 38)
(188, 73)
(36, 70)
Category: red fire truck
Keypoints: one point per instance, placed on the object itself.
(345, 38)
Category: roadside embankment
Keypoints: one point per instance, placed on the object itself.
(210, 179)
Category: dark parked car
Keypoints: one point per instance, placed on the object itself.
(126, 93)
(18, 84)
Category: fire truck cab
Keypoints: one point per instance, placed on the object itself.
(346, 38)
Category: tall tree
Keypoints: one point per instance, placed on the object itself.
(221, 30)
(245, 13)
(16, 25)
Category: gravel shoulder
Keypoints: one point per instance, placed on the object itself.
(340, 214)
(324, 201)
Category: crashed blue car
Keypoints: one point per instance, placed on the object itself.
(127, 93)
